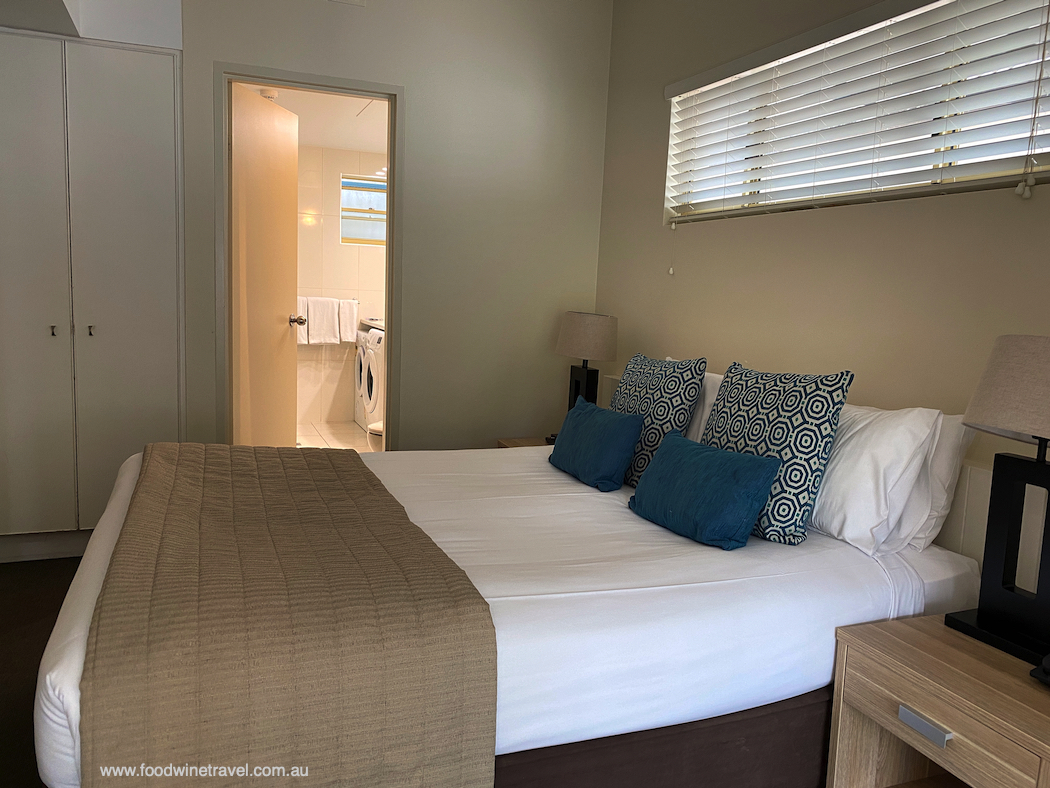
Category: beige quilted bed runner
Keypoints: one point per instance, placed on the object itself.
(275, 609)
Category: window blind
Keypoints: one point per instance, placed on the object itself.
(951, 93)
(363, 210)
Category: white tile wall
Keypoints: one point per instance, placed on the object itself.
(328, 267)
(310, 180)
(310, 266)
(371, 267)
(337, 389)
(339, 261)
(337, 163)
(371, 303)
(310, 379)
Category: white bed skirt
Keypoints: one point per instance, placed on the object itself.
(605, 623)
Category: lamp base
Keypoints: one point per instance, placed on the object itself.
(1016, 643)
(583, 381)
(1009, 616)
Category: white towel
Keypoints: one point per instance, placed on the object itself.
(348, 320)
(301, 336)
(323, 321)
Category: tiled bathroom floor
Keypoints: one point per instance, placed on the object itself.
(337, 435)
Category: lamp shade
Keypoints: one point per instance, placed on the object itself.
(588, 336)
(1013, 397)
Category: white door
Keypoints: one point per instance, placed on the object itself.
(36, 375)
(124, 225)
(264, 194)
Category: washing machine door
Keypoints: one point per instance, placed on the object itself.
(373, 390)
(359, 370)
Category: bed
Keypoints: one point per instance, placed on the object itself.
(605, 624)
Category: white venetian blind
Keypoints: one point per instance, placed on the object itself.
(947, 94)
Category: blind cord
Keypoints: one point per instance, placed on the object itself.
(674, 243)
(1024, 188)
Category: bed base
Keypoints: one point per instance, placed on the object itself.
(780, 745)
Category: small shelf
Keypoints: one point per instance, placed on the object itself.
(940, 781)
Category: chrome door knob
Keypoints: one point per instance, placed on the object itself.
(296, 320)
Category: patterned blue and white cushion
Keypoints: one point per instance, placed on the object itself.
(792, 417)
(665, 393)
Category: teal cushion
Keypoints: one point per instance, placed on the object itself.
(596, 445)
(791, 417)
(711, 496)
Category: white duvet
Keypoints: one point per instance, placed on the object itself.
(605, 623)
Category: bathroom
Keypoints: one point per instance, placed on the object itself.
(342, 263)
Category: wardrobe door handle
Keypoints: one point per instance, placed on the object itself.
(53, 331)
(91, 331)
(924, 726)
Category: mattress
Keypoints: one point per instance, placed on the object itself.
(605, 623)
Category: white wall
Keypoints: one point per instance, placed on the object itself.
(155, 23)
(502, 176)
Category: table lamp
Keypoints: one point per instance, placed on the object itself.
(589, 337)
(1012, 400)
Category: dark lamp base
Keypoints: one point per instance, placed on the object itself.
(583, 381)
(1008, 616)
(1015, 643)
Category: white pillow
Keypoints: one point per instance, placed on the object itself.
(875, 462)
(942, 470)
(708, 392)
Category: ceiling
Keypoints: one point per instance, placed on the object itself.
(336, 120)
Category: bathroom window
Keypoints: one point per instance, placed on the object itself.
(363, 210)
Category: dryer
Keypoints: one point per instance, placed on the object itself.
(375, 381)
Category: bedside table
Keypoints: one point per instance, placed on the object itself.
(914, 699)
(514, 443)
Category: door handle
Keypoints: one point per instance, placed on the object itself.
(53, 331)
(924, 726)
(296, 320)
(91, 331)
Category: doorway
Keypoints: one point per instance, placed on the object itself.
(309, 239)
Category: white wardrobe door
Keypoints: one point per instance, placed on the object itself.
(124, 224)
(36, 375)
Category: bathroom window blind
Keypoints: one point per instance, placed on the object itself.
(950, 95)
(362, 210)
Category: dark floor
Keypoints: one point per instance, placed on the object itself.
(31, 594)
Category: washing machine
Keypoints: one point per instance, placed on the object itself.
(375, 381)
(360, 379)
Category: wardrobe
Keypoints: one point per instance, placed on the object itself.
(89, 272)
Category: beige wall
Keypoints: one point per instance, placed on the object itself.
(504, 134)
(907, 294)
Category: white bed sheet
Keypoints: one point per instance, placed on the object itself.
(605, 623)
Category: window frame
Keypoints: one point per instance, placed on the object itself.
(366, 214)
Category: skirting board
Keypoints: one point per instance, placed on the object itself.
(36, 547)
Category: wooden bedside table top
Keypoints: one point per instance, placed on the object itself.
(514, 443)
(994, 686)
